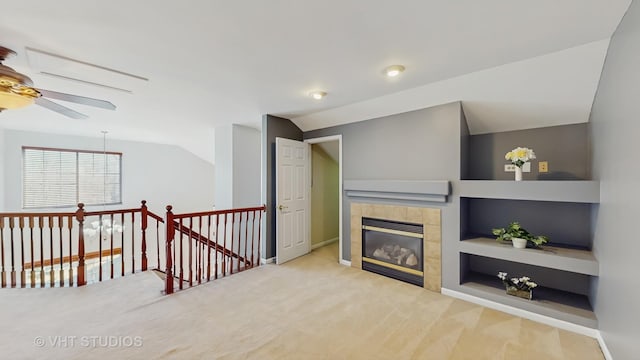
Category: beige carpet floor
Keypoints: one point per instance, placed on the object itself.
(310, 308)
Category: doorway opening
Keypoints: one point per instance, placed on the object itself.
(326, 193)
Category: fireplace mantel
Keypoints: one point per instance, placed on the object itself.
(409, 190)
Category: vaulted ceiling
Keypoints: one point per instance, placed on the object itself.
(208, 63)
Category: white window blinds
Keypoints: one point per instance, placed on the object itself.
(59, 178)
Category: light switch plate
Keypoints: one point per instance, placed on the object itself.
(512, 168)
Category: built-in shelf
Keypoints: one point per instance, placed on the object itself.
(558, 304)
(573, 260)
(581, 191)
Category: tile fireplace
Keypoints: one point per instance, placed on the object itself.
(402, 242)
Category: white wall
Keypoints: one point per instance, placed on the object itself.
(237, 167)
(246, 167)
(160, 174)
(223, 198)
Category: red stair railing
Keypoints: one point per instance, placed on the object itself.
(232, 237)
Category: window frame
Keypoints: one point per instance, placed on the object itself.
(77, 185)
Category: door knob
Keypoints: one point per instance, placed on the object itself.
(282, 207)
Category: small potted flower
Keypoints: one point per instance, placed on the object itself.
(518, 157)
(520, 287)
(519, 236)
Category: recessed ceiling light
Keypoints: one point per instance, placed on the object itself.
(394, 70)
(318, 95)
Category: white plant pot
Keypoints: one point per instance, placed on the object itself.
(519, 243)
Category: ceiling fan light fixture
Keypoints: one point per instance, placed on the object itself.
(15, 88)
(394, 70)
(318, 95)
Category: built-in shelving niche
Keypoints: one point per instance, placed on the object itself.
(564, 147)
(567, 224)
(562, 295)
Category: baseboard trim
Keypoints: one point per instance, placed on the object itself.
(270, 260)
(603, 347)
(345, 262)
(561, 324)
(324, 243)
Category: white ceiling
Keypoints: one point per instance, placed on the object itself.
(218, 62)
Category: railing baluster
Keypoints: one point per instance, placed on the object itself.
(122, 245)
(181, 251)
(158, 243)
(111, 226)
(60, 238)
(23, 277)
(246, 239)
(70, 225)
(217, 253)
(32, 277)
(259, 236)
(224, 247)
(200, 251)
(13, 267)
(133, 244)
(253, 230)
(190, 251)
(233, 231)
(41, 225)
(209, 248)
(2, 273)
(52, 273)
(100, 227)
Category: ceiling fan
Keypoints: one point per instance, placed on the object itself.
(16, 90)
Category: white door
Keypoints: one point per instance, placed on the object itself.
(293, 169)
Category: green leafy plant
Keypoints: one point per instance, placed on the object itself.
(514, 230)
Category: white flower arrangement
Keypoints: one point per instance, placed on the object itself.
(522, 283)
(520, 155)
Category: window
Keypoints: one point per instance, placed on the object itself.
(61, 178)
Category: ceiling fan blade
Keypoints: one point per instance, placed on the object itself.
(60, 109)
(104, 104)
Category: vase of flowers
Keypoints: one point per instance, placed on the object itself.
(520, 287)
(518, 157)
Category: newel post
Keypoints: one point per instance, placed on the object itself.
(170, 234)
(144, 215)
(81, 269)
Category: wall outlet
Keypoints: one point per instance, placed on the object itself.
(543, 166)
(512, 168)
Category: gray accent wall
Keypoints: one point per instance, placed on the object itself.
(272, 127)
(615, 130)
(565, 148)
(417, 145)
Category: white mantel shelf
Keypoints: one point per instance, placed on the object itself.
(408, 190)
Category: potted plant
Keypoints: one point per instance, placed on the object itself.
(518, 236)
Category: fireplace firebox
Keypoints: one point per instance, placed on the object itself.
(393, 249)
